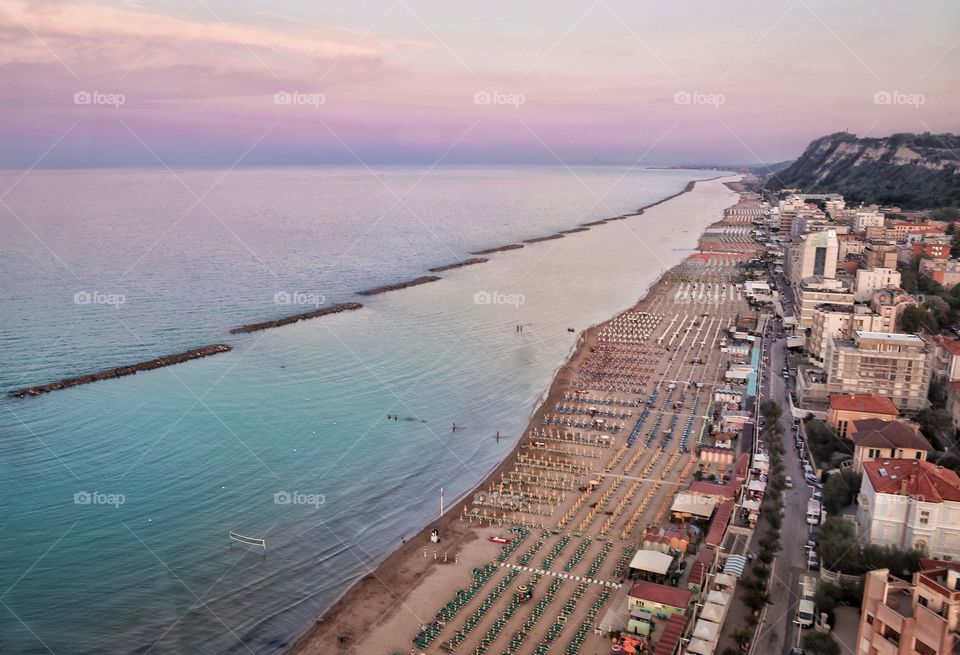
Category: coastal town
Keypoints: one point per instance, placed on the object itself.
(757, 457)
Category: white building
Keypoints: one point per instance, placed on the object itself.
(870, 280)
(910, 504)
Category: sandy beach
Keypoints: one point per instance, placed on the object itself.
(593, 527)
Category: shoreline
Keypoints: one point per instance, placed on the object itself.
(399, 573)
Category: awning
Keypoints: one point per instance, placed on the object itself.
(795, 342)
(712, 612)
(751, 505)
(724, 580)
(706, 630)
(718, 598)
(757, 485)
(694, 504)
(700, 647)
(735, 565)
(652, 561)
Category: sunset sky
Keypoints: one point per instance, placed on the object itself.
(236, 82)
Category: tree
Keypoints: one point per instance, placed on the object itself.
(820, 643)
(839, 549)
(840, 490)
(936, 425)
(918, 319)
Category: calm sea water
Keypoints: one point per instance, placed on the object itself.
(116, 497)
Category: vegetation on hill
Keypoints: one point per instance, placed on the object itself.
(906, 170)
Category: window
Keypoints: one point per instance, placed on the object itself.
(891, 634)
(922, 600)
(924, 517)
(916, 455)
(869, 619)
(922, 648)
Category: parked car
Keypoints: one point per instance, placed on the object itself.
(788, 482)
(813, 562)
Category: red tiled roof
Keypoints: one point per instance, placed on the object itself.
(698, 571)
(869, 424)
(863, 402)
(892, 434)
(950, 345)
(659, 593)
(718, 527)
(667, 644)
(714, 489)
(742, 466)
(911, 477)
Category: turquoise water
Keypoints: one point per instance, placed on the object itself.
(180, 456)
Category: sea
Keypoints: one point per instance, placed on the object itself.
(117, 498)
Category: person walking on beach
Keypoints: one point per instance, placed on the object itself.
(454, 426)
(498, 436)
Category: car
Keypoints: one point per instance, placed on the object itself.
(817, 495)
(788, 482)
(810, 546)
(813, 562)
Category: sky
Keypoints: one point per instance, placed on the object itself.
(431, 82)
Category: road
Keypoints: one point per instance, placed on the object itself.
(778, 633)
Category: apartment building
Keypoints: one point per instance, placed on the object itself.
(921, 617)
(813, 254)
(887, 364)
(816, 291)
(840, 321)
(869, 280)
(944, 271)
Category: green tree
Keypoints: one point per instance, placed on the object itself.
(820, 643)
(918, 319)
(936, 425)
(840, 490)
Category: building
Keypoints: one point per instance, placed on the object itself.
(862, 219)
(845, 408)
(890, 303)
(932, 247)
(944, 271)
(879, 254)
(887, 364)
(946, 358)
(918, 618)
(870, 280)
(899, 230)
(910, 504)
(876, 439)
(840, 321)
(817, 291)
(813, 254)
(657, 599)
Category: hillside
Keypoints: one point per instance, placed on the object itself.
(908, 170)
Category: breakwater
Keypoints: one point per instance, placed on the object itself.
(287, 320)
(547, 238)
(121, 371)
(423, 279)
(490, 251)
(465, 262)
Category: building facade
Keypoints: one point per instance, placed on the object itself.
(887, 364)
(903, 618)
(910, 504)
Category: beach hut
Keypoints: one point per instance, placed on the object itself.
(700, 647)
(651, 563)
(713, 613)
